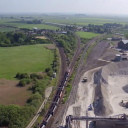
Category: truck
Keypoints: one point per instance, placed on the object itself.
(84, 79)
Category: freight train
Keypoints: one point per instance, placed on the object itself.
(56, 100)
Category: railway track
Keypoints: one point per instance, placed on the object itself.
(58, 115)
(49, 117)
(72, 96)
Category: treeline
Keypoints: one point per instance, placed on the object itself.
(84, 40)
(102, 28)
(16, 39)
(35, 22)
(67, 41)
(27, 79)
(14, 116)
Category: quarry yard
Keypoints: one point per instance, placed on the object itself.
(105, 90)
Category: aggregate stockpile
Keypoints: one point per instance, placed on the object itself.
(111, 92)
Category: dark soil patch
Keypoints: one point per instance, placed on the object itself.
(11, 94)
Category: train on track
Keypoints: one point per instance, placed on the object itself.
(56, 100)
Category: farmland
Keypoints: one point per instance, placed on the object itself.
(41, 37)
(87, 35)
(11, 94)
(18, 24)
(7, 29)
(124, 31)
(30, 58)
(87, 20)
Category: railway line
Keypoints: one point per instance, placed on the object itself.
(72, 96)
(47, 121)
(52, 110)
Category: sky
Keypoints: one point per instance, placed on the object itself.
(65, 6)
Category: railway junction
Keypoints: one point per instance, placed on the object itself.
(101, 90)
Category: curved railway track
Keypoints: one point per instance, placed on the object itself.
(49, 117)
(72, 96)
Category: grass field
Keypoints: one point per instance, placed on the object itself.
(7, 29)
(87, 35)
(16, 23)
(30, 58)
(87, 20)
(125, 31)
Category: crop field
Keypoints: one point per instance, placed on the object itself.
(86, 21)
(41, 37)
(16, 23)
(87, 35)
(30, 58)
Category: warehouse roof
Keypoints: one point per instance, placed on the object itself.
(125, 41)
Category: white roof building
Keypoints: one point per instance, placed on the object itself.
(125, 41)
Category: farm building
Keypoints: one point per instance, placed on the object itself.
(116, 39)
(35, 28)
(123, 44)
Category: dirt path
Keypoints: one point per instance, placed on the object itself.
(47, 94)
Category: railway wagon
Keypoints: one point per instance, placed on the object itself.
(56, 100)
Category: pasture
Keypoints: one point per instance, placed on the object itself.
(7, 29)
(86, 20)
(87, 35)
(29, 59)
(17, 23)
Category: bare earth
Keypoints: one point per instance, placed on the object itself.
(51, 47)
(41, 37)
(85, 95)
(11, 94)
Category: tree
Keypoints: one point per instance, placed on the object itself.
(22, 83)
(126, 36)
(35, 96)
(17, 75)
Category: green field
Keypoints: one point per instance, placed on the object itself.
(124, 31)
(87, 20)
(16, 23)
(30, 58)
(7, 29)
(87, 35)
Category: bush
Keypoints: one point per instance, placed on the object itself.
(34, 75)
(35, 96)
(22, 75)
(17, 75)
(24, 81)
(50, 73)
(56, 69)
(39, 77)
(48, 69)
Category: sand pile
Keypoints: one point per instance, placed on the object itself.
(114, 87)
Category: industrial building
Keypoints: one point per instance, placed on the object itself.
(123, 44)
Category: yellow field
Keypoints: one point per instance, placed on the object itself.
(41, 37)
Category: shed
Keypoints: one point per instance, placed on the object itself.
(123, 44)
